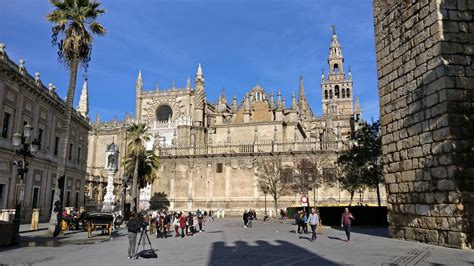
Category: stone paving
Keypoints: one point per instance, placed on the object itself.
(226, 242)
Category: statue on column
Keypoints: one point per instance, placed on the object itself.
(111, 167)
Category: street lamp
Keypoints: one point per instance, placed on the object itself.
(25, 148)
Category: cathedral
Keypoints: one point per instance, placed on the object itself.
(209, 151)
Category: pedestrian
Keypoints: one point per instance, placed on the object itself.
(189, 224)
(305, 222)
(250, 218)
(176, 225)
(346, 221)
(200, 220)
(246, 218)
(195, 224)
(313, 222)
(133, 227)
(298, 222)
(182, 224)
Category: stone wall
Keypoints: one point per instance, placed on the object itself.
(426, 88)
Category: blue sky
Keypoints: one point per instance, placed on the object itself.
(239, 43)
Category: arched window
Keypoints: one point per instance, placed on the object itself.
(343, 93)
(164, 113)
(336, 69)
(326, 94)
(348, 93)
(330, 94)
(336, 91)
(258, 96)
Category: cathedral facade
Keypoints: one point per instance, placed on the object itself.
(209, 152)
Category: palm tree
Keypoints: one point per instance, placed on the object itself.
(73, 26)
(139, 162)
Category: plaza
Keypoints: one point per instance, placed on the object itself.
(226, 242)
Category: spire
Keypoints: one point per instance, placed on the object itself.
(139, 85)
(199, 75)
(188, 84)
(223, 99)
(293, 101)
(83, 107)
(271, 101)
(279, 102)
(234, 103)
(173, 85)
(247, 104)
(301, 95)
(335, 59)
(357, 108)
(157, 88)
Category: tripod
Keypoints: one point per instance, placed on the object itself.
(150, 253)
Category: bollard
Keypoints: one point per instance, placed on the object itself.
(35, 219)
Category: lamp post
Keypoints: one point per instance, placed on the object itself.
(25, 148)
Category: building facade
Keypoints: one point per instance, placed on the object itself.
(209, 152)
(25, 100)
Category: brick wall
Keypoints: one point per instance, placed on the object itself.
(426, 87)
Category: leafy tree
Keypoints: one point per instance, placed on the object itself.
(270, 178)
(73, 27)
(359, 166)
(307, 177)
(139, 163)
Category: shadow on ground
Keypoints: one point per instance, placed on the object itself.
(380, 231)
(264, 253)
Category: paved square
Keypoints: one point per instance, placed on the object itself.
(226, 242)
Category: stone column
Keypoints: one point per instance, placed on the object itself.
(109, 199)
(426, 87)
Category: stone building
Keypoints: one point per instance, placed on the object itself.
(209, 151)
(25, 100)
(426, 88)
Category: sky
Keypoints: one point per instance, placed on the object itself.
(239, 43)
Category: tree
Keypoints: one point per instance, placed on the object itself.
(270, 181)
(139, 163)
(308, 177)
(73, 26)
(359, 166)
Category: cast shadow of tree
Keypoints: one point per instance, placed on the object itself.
(159, 201)
(263, 253)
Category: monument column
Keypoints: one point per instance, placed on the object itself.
(111, 158)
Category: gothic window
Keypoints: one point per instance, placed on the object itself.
(348, 93)
(330, 94)
(164, 113)
(343, 93)
(326, 94)
(336, 69)
(336, 91)
(258, 96)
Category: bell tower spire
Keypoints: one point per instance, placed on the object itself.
(139, 89)
(336, 88)
(83, 107)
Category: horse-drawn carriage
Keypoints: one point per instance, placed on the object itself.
(90, 221)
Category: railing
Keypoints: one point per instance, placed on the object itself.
(248, 147)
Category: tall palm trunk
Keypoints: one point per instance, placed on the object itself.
(53, 229)
(135, 187)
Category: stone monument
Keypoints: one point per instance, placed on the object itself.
(111, 159)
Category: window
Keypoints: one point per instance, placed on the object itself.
(286, 175)
(330, 94)
(258, 96)
(219, 168)
(68, 198)
(76, 202)
(336, 91)
(79, 154)
(343, 93)
(164, 113)
(70, 151)
(34, 205)
(6, 124)
(348, 94)
(40, 137)
(336, 69)
(56, 144)
(326, 94)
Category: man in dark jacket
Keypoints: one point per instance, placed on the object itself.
(346, 221)
(246, 218)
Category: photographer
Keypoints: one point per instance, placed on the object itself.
(133, 227)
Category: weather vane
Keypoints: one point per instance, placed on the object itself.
(333, 28)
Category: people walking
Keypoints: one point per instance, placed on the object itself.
(182, 224)
(305, 222)
(133, 227)
(246, 218)
(346, 221)
(313, 222)
(176, 225)
(200, 220)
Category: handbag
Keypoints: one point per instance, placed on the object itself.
(148, 254)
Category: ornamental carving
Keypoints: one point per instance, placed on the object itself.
(151, 106)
